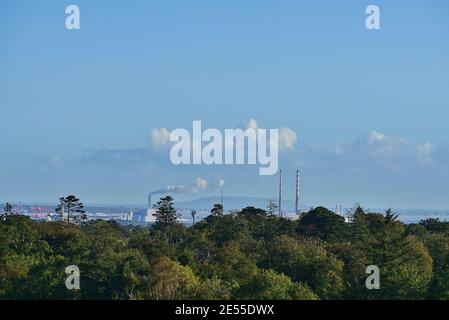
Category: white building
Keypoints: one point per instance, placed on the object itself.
(144, 216)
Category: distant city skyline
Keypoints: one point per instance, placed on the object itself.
(363, 113)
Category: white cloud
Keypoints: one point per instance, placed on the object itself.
(251, 124)
(376, 137)
(373, 151)
(160, 137)
(287, 138)
(425, 151)
(387, 148)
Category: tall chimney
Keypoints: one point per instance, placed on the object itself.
(297, 193)
(280, 193)
(149, 201)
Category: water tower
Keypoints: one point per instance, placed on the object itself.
(193, 217)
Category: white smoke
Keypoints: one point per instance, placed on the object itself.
(200, 185)
(221, 182)
(287, 138)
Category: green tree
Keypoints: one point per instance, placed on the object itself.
(217, 210)
(7, 211)
(322, 223)
(404, 262)
(435, 225)
(131, 278)
(438, 246)
(165, 213)
(247, 254)
(212, 289)
(67, 240)
(271, 207)
(306, 261)
(407, 273)
(270, 285)
(163, 279)
(72, 209)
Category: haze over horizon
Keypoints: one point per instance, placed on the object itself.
(362, 114)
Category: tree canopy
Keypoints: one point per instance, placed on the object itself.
(247, 254)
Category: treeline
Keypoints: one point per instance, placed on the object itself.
(247, 254)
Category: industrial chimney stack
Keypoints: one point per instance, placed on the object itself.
(280, 193)
(297, 210)
(149, 201)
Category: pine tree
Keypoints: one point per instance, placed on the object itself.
(271, 207)
(217, 210)
(73, 208)
(7, 211)
(165, 213)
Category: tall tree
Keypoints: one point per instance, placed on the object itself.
(217, 210)
(322, 223)
(73, 208)
(7, 210)
(165, 213)
(271, 207)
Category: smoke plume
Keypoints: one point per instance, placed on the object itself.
(199, 185)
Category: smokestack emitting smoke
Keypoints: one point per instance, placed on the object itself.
(200, 185)
(280, 193)
(221, 185)
(297, 193)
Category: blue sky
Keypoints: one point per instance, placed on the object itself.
(370, 108)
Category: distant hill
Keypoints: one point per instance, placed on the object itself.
(231, 203)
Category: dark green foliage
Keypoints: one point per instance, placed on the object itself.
(306, 261)
(165, 213)
(217, 210)
(7, 211)
(323, 224)
(435, 225)
(247, 254)
(404, 262)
